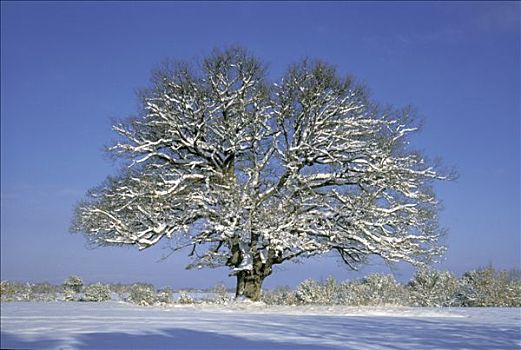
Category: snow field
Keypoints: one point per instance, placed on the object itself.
(115, 325)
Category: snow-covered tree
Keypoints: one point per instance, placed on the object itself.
(97, 292)
(142, 294)
(311, 292)
(489, 287)
(433, 288)
(251, 174)
(73, 283)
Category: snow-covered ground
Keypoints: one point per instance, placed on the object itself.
(111, 325)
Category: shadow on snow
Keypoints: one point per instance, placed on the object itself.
(174, 338)
(306, 332)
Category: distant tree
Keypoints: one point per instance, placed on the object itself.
(73, 284)
(142, 294)
(382, 289)
(252, 174)
(433, 288)
(375, 289)
(490, 287)
(311, 292)
(97, 292)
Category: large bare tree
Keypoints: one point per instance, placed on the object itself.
(251, 174)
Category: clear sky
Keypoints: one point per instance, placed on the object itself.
(69, 68)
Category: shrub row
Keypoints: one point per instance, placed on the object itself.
(482, 287)
(73, 289)
(15, 291)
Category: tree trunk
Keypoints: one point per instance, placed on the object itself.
(249, 285)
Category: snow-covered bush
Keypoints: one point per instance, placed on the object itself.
(220, 294)
(329, 291)
(121, 290)
(164, 296)
(489, 287)
(313, 292)
(279, 296)
(97, 292)
(375, 289)
(45, 288)
(433, 288)
(383, 289)
(309, 292)
(7, 291)
(73, 283)
(44, 292)
(353, 293)
(142, 294)
(69, 295)
(15, 291)
(185, 298)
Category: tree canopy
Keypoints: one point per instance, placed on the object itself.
(251, 173)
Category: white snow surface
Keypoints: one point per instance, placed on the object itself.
(113, 325)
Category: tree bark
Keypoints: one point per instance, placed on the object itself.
(249, 285)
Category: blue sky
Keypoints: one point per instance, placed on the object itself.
(69, 68)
